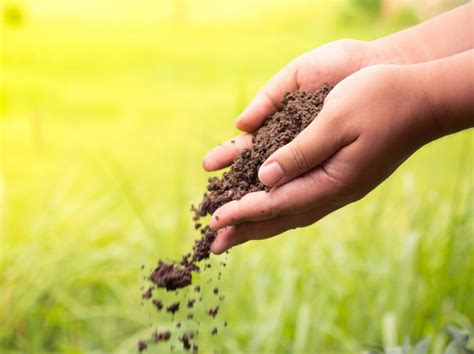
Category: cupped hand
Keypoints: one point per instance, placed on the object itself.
(370, 123)
(328, 64)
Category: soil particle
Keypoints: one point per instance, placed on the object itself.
(173, 308)
(213, 311)
(197, 288)
(170, 276)
(214, 331)
(142, 345)
(161, 336)
(191, 303)
(148, 293)
(216, 291)
(186, 340)
(158, 304)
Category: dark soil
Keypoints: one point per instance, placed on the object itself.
(142, 345)
(173, 308)
(213, 312)
(161, 336)
(158, 304)
(186, 339)
(297, 111)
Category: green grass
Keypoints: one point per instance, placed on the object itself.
(106, 112)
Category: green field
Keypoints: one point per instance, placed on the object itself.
(106, 111)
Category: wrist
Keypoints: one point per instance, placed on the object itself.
(383, 51)
(424, 109)
(446, 90)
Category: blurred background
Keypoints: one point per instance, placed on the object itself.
(107, 108)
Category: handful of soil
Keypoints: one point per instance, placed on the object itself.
(298, 110)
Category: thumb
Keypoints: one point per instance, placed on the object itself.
(315, 144)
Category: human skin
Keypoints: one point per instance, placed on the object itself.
(325, 168)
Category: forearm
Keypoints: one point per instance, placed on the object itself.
(442, 36)
(447, 86)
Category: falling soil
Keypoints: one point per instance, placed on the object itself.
(173, 308)
(161, 336)
(158, 304)
(142, 345)
(298, 110)
(186, 339)
(213, 312)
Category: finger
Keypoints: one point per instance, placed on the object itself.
(320, 140)
(238, 234)
(269, 98)
(314, 189)
(223, 155)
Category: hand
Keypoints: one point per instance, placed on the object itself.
(327, 64)
(370, 123)
(442, 36)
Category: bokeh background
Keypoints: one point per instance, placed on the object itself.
(107, 108)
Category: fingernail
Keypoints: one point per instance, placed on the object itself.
(270, 174)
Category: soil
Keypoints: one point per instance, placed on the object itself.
(297, 111)
(213, 312)
(173, 308)
(161, 336)
(158, 304)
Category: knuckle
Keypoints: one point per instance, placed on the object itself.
(336, 109)
(338, 119)
(240, 211)
(331, 191)
(333, 101)
(342, 191)
(299, 161)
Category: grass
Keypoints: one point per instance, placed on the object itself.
(106, 112)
